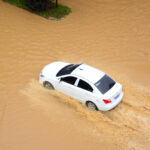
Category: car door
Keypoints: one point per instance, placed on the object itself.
(67, 86)
(84, 91)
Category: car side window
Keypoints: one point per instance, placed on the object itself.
(70, 80)
(84, 85)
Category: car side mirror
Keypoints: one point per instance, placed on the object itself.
(60, 79)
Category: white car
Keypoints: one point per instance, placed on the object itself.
(84, 83)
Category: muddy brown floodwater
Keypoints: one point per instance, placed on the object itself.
(112, 35)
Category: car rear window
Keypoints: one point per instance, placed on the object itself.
(105, 84)
(67, 69)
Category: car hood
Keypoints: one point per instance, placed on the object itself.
(52, 69)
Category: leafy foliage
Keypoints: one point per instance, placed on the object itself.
(51, 10)
(19, 3)
(38, 5)
(56, 12)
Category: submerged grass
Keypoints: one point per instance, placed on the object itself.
(54, 12)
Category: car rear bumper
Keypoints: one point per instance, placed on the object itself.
(110, 106)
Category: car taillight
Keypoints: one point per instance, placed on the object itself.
(107, 101)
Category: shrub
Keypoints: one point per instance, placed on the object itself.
(38, 5)
(35, 5)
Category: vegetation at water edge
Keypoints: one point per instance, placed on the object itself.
(45, 8)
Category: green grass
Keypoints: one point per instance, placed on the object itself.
(55, 12)
(58, 12)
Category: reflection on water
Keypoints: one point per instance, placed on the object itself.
(110, 35)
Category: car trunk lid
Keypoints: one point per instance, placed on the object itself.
(114, 92)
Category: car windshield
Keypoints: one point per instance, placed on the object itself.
(67, 69)
(105, 84)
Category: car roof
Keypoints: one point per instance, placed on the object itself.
(89, 73)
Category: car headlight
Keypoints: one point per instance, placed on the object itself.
(41, 75)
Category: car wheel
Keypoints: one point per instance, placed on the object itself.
(48, 85)
(91, 105)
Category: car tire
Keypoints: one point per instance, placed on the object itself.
(91, 105)
(48, 85)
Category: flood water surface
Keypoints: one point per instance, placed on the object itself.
(110, 35)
